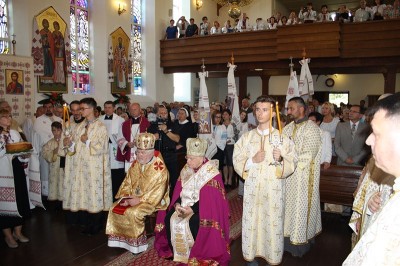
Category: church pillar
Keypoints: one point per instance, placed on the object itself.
(390, 80)
(265, 84)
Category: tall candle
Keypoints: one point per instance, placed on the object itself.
(279, 118)
(270, 118)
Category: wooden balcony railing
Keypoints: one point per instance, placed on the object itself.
(367, 47)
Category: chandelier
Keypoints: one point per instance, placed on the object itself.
(234, 10)
(237, 2)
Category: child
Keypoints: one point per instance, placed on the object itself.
(54, 154)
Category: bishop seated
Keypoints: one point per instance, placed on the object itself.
(144, 191)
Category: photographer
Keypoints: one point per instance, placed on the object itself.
(166, 140)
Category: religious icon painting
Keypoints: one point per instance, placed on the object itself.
(119, 62)
(14, 81)
(51, 51)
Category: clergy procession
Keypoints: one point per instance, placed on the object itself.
(82, 159)
(221, 178)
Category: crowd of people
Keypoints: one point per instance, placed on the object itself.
(129, 164)
(377, 10)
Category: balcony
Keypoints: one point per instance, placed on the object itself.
(342, 48)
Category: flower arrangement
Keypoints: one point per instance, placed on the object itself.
(121, 98)
(55, 98)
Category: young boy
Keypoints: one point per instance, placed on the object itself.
(54, 154)
(263, 157)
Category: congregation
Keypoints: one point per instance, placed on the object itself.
(130, 162)
(366, 12)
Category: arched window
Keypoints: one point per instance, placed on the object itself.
(136, 46)
(79, 36)
(4, 37)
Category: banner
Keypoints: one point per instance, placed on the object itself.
(205, 124)
(306, 85)
(232, 95)
(293, 88)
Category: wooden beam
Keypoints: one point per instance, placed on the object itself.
(390, 80)
(265, 84)
(242, 87)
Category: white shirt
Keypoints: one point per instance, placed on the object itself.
(112, 130)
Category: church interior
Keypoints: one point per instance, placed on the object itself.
(358, 60)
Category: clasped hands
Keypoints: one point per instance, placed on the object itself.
(374, 203)
(131, 201)
(131, 144)
(183, 211)
(260, 155)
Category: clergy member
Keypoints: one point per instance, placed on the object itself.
(302, 204)
(113, 122)
(42, 134)
(195, 228)
(144, 191)
(87, 183)
(380, 243)
(263, 157)
(127, 134)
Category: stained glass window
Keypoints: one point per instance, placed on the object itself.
(136, 46)
(4, 37)
(79, 36)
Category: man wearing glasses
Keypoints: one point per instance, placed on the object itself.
(350, 139)
(87, 169)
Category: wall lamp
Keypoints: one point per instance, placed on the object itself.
(199, 4)
(121, 11)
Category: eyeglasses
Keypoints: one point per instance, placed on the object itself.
(352, 111)
(84, 108)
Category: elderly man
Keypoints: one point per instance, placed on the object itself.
(246, 106)
(380, 243)
(302, 206)
(143, 192)
(195, 228)
(42, 134)
(127, 134)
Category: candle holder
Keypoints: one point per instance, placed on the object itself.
(276, 141)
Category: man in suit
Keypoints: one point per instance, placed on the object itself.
(350, 139)
(246, 106)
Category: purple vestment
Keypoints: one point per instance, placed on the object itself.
(211, 246)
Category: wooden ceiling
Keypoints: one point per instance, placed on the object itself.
(333, 5)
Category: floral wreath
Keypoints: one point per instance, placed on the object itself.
(121, 98)
(55, 98)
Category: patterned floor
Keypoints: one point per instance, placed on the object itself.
(150, 257)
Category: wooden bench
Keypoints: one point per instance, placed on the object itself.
(338, 183)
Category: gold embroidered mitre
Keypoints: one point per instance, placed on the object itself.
(196, 146)
(145, 141)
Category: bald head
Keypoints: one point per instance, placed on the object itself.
(134, 109)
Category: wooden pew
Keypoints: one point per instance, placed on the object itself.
(338, 183)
